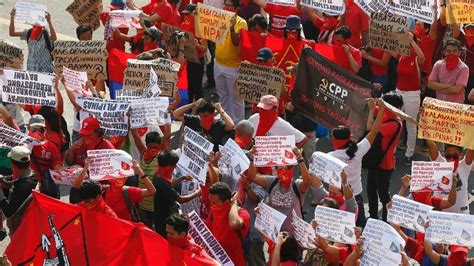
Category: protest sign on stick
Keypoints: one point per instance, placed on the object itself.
(450, 228)
(212, 23)
(88, 56)
(329, 7)
(149, 112)
(304, 232)
(194, 157)
(408, 213)
(233, 159)
(125, 19)
(109, 164)
(335, 225)
(24, 87)
(10, 55)
(327, 167)
(65, 176)
(85, 12)
(390, 32)
(382, 244)
(431, 176)
(447, 122)
(188, 187)
(419, 10)
(76, 81)
(269, 221)
(254, 81)
(203, 237)
(274, 151)
(172, 35)
(112, 115)
(459, 12)
(30, 13)
(10, 137)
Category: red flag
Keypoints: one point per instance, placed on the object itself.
(56, 231)
(117, 63)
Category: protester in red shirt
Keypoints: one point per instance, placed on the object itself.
(341, 38)
(177, 227)
(143, 41)
(467, 40)
(54, 129)
(358, 23)
(278, 15)
(326, 24)
(161, 12)
(228, 223)
(426, 35)
(175, 16)
(378, 61)
(92, 138)
(104, 18)
(91, 196)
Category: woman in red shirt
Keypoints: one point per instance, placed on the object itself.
(378, 61)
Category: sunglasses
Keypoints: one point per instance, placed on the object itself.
(451, 156)
(38, 129)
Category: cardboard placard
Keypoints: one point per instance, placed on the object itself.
(10, 137)
(459, 11)
(255, 81)
(382, 244)
(194, 157)
(76, 81)
(149, 112)
(329, 7)
(389, 32)
(431, 176)
(137, 75)
(447, 122)
(125, 19)
(88, 56)
(274, 151)
(10, 55)
(212, 23)
(327, 167)
(450, 228)
(269, 221)
(408, 213)
(335, 225)
(233, 159)
(66, 176)
(30, 13)
(172, 41)
(109, 164)
(304, 232)
(85, 12)
(25, 87)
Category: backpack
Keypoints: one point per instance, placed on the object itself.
(376, 154)
(295, 190)
(47, 40)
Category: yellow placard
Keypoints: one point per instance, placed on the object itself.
(460, 12)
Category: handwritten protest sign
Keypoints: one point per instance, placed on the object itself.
(431, 176)
(171, 35)
(212, 23)
(112, 115)
(30, 13)
(65, 176)
(269, 221)
(327, 167)
(274, 151)
(447, 122)
(389, 32)
(335, 225)
(459, 12)
(329, 95)
(329, 7)
(282, 2)
(194, 156)
(304, 232)
(88, 56)
(109, 164)
(233, 159)
(419, 10)
(75, 81)
(128, 95)
(85, 12)
(203, 237)
(188, 187)
(25, 87)
(10, 55)
(137, 75)
(149, 112)
(408, 213)
(254, 81)
(125, 19)
(10, 137)
(450, 228)
(382, 244)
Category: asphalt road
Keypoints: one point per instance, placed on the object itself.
(65, 27)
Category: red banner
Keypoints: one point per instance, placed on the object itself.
(54, 231)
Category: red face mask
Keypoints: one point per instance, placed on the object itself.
(180, 242)
(151, 153)
(452, 61)
(244, 142)
(38, 135)
(90, 141)
(36, 32)
(338, 198)
(419, 31)
(206, 121)
(338, 42)
(221, 209)
(469, 35)
(339, 143)
(292, 35)
(117, 183)
(166, 172)
(422, 197)
(458, 258)
(285, 176)
(266, 120)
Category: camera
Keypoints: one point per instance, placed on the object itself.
(178, 34)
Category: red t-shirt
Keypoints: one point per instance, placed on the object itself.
(113, 42)
(229, 238)
(415, 249)
(183, 76)
(427, 46)
(58, 140)
(175, 17)
(114, 198)
(469, 54)
(357, 21)
(376, 69)
(408, 74)
(46, 156)
(81, 153)
(278, 15)
(164, 12)
(388, 130)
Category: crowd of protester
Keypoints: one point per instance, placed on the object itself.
(440, 65)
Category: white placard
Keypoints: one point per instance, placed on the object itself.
(383, 242)
(109, 164)
(327, 167)
(188, 187)
(335, 225)
(408, 213)
(233, 159)
(419, 10)
(30, 13)
(32, 88)
(125, 19)
(76, 81)
(153, 90)
(10, 137)
(274, 151)
(304, 232)
(283, 2)
(329, 7)
(450, 228)
(194, 157)
(66, 176)
(149, 112)
(269, 221)
(432, 176)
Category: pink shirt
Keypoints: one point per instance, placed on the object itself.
(457, 76)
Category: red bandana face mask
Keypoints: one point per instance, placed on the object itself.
(452, 61)
(151, 153)
(38, 136)
(36, 32)
(469, 35)
(338, 198)
(180, 242)
(166, 172)
(117, 183)
(419, 31)
(266, 120)
(285, 176)
(90, 141)
(292, 35)
(206, 121)
(339, 143)
(221, 209)
(244, 142)
(422, 197)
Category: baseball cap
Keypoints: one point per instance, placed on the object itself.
(293, 23)
(267, 102)
(456, 249)
(265, 54)
(19, 154)
(37, 120)
(189, 9)
(89, 126)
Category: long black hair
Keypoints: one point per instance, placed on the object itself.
(342, 132)
(52, 117)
